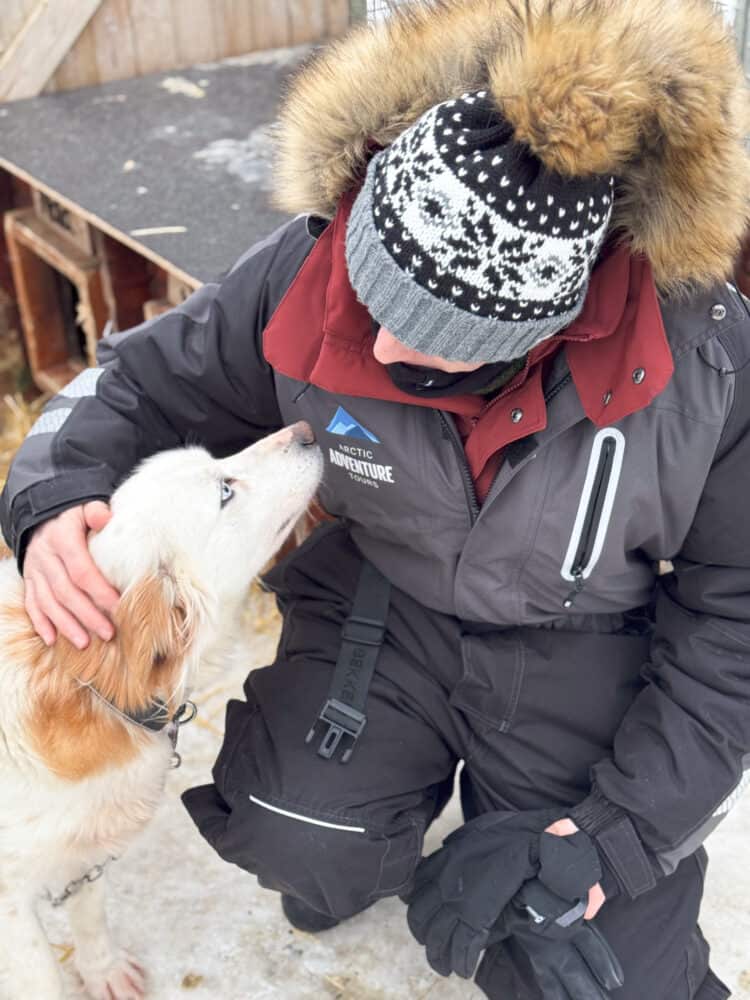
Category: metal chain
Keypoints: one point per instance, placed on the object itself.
(184, 714)
(75, 886)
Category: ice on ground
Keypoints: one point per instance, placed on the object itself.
(249, 159)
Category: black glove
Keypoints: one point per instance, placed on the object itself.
(569, 866)
(461, 890)
(570, 957)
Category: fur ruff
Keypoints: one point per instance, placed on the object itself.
(649, 90)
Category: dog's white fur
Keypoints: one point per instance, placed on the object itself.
(77, 782)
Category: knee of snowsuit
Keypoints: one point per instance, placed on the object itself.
(329, 843)
(338, 836)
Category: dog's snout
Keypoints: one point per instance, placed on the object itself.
(302, 433)
(299, 434)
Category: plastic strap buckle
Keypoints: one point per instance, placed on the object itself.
(342, 720)
(363, 631)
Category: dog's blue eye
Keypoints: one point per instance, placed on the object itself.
(226, 491)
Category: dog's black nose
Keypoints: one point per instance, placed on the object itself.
(302, 433)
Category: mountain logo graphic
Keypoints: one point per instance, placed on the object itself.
(345, 425)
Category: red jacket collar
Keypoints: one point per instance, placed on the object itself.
(322, 334)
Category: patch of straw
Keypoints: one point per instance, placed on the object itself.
(16, 419)
(17, 416)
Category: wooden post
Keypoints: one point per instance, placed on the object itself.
(6, 203)
(8, 317)
(36, 252)
(127, 279)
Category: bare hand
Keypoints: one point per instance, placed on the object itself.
(65, 592)
(565, 828)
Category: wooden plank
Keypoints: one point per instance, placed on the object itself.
(195, 33)
(127, 282)
(153, 35)
(337, 17)
(222, 38)
(92, 313)
(270, 24)
(81, 269)
(52, 247)
(42, 321)
(79, 68)
(37, 252)
(40, 46)
(68, 224)
(156, 307)
(238, 29)
(23, 196)
(14, 13)
(307, 21)
(177, 291)
(113, 39)
(6, 203)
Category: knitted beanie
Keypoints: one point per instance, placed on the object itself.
(463, 245)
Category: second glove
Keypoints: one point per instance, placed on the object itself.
(460, 890)
(571, 958)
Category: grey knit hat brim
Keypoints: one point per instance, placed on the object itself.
(422, 321)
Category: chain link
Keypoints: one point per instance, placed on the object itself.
(75, 886)
(184, 714)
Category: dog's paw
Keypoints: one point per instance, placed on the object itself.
(122, 979)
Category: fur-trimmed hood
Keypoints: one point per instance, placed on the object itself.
(649, 90)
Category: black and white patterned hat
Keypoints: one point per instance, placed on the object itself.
(463, 245)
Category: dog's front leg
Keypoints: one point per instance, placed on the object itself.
(107, 972)
(27, 962)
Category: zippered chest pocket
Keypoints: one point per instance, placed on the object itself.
(594, 510)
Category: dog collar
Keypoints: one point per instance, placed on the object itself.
(155, 718)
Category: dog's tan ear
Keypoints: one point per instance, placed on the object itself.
(155, 624)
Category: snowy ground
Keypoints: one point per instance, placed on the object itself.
(206, 931)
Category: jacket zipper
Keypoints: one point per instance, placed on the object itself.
(584, 558)
(557, 387)
(452, 433)
(471, 493)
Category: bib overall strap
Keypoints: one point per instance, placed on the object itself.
(361, 638)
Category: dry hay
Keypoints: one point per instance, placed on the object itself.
(13, 368)
(13, 371)
(16, 417)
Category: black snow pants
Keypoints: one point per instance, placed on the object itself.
(527, 711)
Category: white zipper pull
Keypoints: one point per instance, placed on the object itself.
(578, 578)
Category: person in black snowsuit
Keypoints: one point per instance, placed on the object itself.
(504, 312)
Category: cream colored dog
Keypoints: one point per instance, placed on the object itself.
(85, 735)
